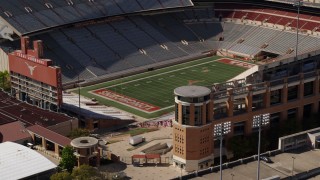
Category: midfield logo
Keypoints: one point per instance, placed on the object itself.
(31, 68)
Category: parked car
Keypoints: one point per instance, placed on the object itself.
(266, 159)
(30, 145)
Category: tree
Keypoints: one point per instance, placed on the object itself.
(5, 80)
(86, 172)
(68, 159)
(291, 126)
(75, 133)
(240, 146)
(61, 176)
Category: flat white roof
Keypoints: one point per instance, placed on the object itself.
(18, 161)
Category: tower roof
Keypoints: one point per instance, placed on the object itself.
(192, 91)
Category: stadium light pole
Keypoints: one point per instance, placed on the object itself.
(297, 3)
(293, 158)
(79, 96)
(218, 131)
(232, 176)
(259, 121)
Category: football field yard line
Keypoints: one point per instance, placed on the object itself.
(162, 73)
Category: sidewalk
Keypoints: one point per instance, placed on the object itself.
(49, 155)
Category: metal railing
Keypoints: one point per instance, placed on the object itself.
(259, 86)
(293, 78)
(277, 82)
(220, 95)
(240, 91)
(309, 74)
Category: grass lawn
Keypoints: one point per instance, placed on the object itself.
(156, 87)
(138, 131)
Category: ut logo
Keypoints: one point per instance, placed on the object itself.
(31, 68)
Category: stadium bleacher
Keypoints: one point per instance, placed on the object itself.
(34, 15)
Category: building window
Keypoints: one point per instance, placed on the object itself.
(292, 93)
(292, 113)
(307, 111)
(177, 112)
(308, 88)
(239, 106)
(275, 97)
(220, 110)
(257, 101)
(274, 119)
(198, 115)
(207, 113)
(238, 128)
(185, 115)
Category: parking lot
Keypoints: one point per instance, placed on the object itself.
(303, 160)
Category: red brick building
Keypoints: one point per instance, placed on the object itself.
(237, 102)
(35, 79)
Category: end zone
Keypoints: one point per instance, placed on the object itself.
(125, 100)
(236, 63)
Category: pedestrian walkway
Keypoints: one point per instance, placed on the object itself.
(48, 154)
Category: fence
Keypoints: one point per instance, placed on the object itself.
(48, 153)
(304, 175)
(227, 165)
(164, 160)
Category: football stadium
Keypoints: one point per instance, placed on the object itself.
(132, 55)
(193, 65)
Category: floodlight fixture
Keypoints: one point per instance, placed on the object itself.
(218, 131)
(259, 121)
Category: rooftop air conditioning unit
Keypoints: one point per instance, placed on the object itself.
(240, 41)
(264, 45)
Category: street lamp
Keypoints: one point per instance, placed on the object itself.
(218, 131)
(232, 176)
(293, 158)
(258, 121)
(180, 171)
(297, 3)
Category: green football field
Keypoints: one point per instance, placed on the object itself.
(155, 88)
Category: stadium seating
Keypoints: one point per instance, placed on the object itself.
(278, 17)
(34, 15)
(282, 42)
